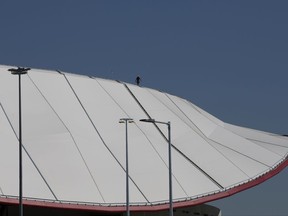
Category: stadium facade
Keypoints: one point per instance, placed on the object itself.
(74, 149)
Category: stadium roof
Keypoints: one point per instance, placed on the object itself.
(74, 146)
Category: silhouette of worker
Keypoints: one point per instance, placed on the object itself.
(137, 80)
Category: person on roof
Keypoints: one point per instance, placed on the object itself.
(138, 80)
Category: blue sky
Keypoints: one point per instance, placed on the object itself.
(228, 57)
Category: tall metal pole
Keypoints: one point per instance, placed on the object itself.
(170, 171)
(127, 172)
(126, 121)
(19, 72)
(169, 159)
(20, 151)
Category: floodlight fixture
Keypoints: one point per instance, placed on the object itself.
(19, 70)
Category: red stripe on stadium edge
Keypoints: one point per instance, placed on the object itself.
(148, 208)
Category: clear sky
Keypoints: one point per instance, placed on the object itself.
(228, 57)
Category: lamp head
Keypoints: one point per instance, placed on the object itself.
(123, 120)
(19, 70)
(148, 120)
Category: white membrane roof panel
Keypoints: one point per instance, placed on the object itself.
(249, 166)
(272, 142)
(10, 146)
(102, 102)
(244, 146)
(74, 145)
(281, 150)
(86, 140)
(8, 156)
(204, 113)
(53, 147)
(184, 172)
(187, 140)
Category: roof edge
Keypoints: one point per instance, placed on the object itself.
(149, 208)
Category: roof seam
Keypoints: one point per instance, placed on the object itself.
(78, 99)
(209, 141)
(255, 141)
(29, 156)
(175, 148)
(268, 143)
(71, 135)
(136, 125)
(231, 131)
(187, 158)
(137, 101)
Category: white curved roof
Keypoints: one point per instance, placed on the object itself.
(74, 147)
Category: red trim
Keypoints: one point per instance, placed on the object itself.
(149, 208)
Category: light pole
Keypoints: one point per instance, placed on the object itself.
(170, 159)
(20, 71)
(126, 121)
